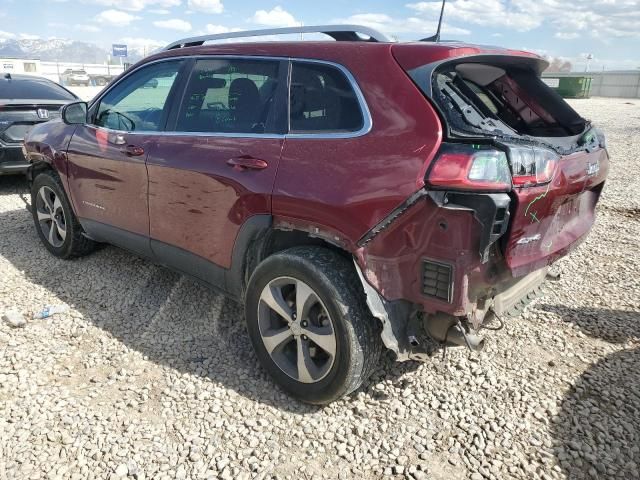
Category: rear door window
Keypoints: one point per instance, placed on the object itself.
(322, 100)
(230, 95)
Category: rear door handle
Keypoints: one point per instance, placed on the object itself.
(247, 162)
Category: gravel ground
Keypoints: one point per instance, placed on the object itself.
(149, 375)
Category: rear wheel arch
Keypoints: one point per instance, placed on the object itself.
(257, 240)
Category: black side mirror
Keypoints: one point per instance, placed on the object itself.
(75, 113)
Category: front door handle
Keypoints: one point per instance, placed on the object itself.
(247, 162)
(133, 151)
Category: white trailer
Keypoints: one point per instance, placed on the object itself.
(20, 65)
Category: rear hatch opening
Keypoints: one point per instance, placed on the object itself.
(481, 98)
(507, 131)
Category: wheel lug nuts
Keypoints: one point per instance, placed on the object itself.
(294, 316)
(304, 324)
(304, 337)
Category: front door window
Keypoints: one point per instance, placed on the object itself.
(139, 102)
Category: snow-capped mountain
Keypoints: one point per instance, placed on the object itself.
(61, 50)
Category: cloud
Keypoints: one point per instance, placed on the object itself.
(566, 36)
(160, 11)
(115, 18)
(276, 17)
(28, 36)
(597, 18)
(602, 19)
(6, 35)
(141, 42)
(135, 5)
(217, 29)
(174, 24)
(87, 28)
(479, 12)
(415, 26)
(207, 6)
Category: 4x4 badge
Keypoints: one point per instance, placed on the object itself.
(593, 168)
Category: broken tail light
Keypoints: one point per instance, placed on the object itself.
(532, 165)
(470, 167)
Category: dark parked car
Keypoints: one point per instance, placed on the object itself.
(352, 194)
(24, 102)
(101, 80)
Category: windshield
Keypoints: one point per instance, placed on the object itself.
(28, 89)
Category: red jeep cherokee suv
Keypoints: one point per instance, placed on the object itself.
(353, 194)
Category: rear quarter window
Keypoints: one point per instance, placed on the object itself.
(322, 100)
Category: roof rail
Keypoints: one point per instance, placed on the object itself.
(337, 32)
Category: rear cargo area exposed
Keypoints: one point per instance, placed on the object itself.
(556, 158)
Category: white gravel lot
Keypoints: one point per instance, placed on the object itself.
(149, 375)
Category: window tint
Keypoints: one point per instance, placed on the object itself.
(229, 96)
(139, 101)
(40, 89)
(322, 100)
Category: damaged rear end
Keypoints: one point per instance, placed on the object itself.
(512, 189)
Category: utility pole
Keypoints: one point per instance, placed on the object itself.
(589, 58)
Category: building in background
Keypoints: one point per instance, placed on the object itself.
(20, 65)
(99, 74)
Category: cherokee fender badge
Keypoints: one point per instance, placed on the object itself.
(525, 240)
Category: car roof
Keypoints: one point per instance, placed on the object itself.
(333, 50)
(4, 77)
(19, 76)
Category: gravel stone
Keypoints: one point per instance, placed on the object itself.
(122, 470)
(150, 375)
(14, 319)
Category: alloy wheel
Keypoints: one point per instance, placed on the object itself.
(296, 329)
(51, 219)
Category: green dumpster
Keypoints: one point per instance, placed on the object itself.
(570, 87)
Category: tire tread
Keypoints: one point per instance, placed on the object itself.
(79, 245)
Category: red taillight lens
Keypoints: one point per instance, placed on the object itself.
(470, 167)
(532, 165)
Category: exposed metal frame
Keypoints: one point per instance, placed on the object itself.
(367, 123)
(337, 32)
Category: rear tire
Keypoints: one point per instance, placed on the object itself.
(332, 311)
(55, 222)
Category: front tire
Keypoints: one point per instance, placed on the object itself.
(309, 324)
(56, 224)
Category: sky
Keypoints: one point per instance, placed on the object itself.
(608, 30)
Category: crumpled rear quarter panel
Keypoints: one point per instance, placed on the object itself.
(391, 261)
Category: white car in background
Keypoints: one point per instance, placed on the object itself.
(75, 77)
